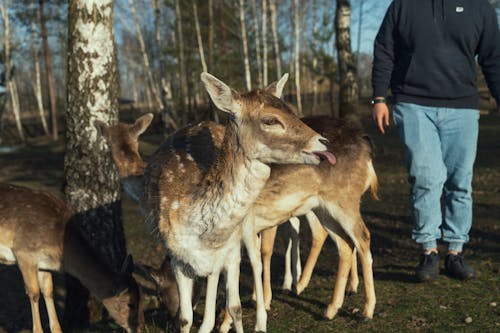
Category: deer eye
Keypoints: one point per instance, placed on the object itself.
(271, 121)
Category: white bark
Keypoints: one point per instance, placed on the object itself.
(264, 42)
(257, 40)
(246, 61)
(297, 29)
(272, 8)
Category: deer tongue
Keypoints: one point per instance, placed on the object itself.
(326, 155)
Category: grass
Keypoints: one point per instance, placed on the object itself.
(402, 304)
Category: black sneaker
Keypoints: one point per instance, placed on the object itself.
(428, 267)
(456, 267)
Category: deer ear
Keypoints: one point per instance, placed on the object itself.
(128, 265)
(102, 128)
(276, 88)
(141, 124)
(224, 98)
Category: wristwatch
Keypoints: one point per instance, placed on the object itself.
(374, 101)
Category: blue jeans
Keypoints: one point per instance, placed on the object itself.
(440, 148)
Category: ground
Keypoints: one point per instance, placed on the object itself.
(403, 305)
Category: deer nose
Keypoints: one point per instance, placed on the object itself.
(324, 141)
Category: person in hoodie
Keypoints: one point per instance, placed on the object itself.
(425, 52)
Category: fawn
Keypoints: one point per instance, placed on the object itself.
(37, 234)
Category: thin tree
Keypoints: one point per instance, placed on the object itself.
(244, 42)
(257, 41)
(274, 29)
(264, 43)
(48, 71)
(92, 185)
(297, 30)
(147, 67)
(211, 35)
(37, 82)
(348, 93)
(9, 79)
(182, 61)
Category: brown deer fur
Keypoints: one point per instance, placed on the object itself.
(36, 233)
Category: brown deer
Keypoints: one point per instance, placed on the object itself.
(200, 184)
(309, 187)
(37, 234)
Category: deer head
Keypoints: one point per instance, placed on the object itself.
(125, 307)
(268, 129)
(123, 140)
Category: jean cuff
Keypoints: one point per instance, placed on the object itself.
(455, 246)
(429, 245)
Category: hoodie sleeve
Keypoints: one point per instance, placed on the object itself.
(488, 51)
(383, 54)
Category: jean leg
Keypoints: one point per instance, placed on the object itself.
(459, 132)
(427, 173)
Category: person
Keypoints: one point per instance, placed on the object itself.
(426, 52)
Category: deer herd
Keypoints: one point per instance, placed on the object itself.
(205, 192)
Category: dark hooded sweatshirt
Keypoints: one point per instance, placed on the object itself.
(426, 51)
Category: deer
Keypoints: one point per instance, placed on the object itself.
(200, 184)
(354, 149)
(37, 234)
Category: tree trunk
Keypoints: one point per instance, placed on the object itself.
(264, 43)
(182, 62)
(297, 28)
(92, 185)
(277, 55)
(48, 72)
(37, 84)
(211, 24)
(348, 93)
(246, 60)
(315, 58)
(257, 40)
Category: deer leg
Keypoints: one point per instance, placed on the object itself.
(255, 260)
(293, 268)
(29, 271)
(233, 303)
(267, 238)
(45, 281)
(319, 235)
(185, 288)
(353, 277)
(345, 249)
(210, 303)
(352, 224)
(225, 326)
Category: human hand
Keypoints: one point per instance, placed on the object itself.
(380, 114)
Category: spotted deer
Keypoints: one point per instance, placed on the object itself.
(200, 184)
(37, 234)
(291, 192)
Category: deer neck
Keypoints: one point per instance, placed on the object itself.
(131, 177)
(230, 187)
(81, 261)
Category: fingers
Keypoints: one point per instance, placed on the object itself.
(380, 124)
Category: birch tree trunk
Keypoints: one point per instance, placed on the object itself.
(147, 67)
(264, 43)
(257, 41)
(182, 61)
(92, 185)
(48, 72)
(297, 28)
(246, 60)
(37, 84)
(348, 94)
(277, 55)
